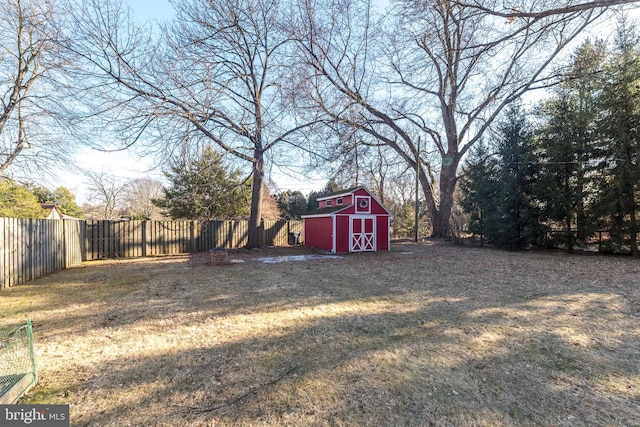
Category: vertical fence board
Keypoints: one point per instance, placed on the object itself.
(20, 251)
(86, 249)
(96, 234)
(93, 238)
(5, 223)
(3, 251)
(31, 248)
(7, 227)
(11, 241)
(108, 239)
(60, 254)
(39, 245)
(98, 248)
(51, 241)
(39, 249)
(73, 240)
(97, 244)
(42, 243)
(17, 250)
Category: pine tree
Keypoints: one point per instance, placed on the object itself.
(291, 204)
(17, 201)
(331, 187)
(479, 188)
(517, 224)
(566, 141)
(499, 191)
(619, 189)
(203, 188)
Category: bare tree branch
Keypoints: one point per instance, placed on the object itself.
(217, 75)
(515, 11)
(441, 70)
(30, 58)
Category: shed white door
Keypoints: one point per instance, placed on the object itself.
(363, 233)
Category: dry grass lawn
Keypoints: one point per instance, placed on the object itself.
(424, 335)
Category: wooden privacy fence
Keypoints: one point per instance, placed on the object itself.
(30, 248)
(124, 239)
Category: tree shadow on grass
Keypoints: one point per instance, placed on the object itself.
(383, 368)
(437, 337)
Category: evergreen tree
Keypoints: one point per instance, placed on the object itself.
(517, 223)
(619, 186)
(566, 141)
(16, 201)
(403, 221)
(62, 197)
(499, 193)
(292, 204)
(331, 187)
(479, 188)
(202, 188)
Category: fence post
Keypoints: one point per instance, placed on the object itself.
(143, 243)
(192, 237)
(65, 244)
(84, 245)
(3, 250)
(29, 270)
(30, 248)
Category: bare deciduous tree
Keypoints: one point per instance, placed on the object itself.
(138, 197)
(219, 76)
(438, 72)
(30, 57)
(106, 194)
(270, 210)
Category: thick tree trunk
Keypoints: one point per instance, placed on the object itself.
(432, 207)
(256, 201)
(441, 216)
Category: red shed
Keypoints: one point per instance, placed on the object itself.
(350, 220)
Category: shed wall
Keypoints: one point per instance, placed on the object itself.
(318, 232)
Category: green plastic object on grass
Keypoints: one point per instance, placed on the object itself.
(17, 363)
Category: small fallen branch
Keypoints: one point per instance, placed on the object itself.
(254, 390)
